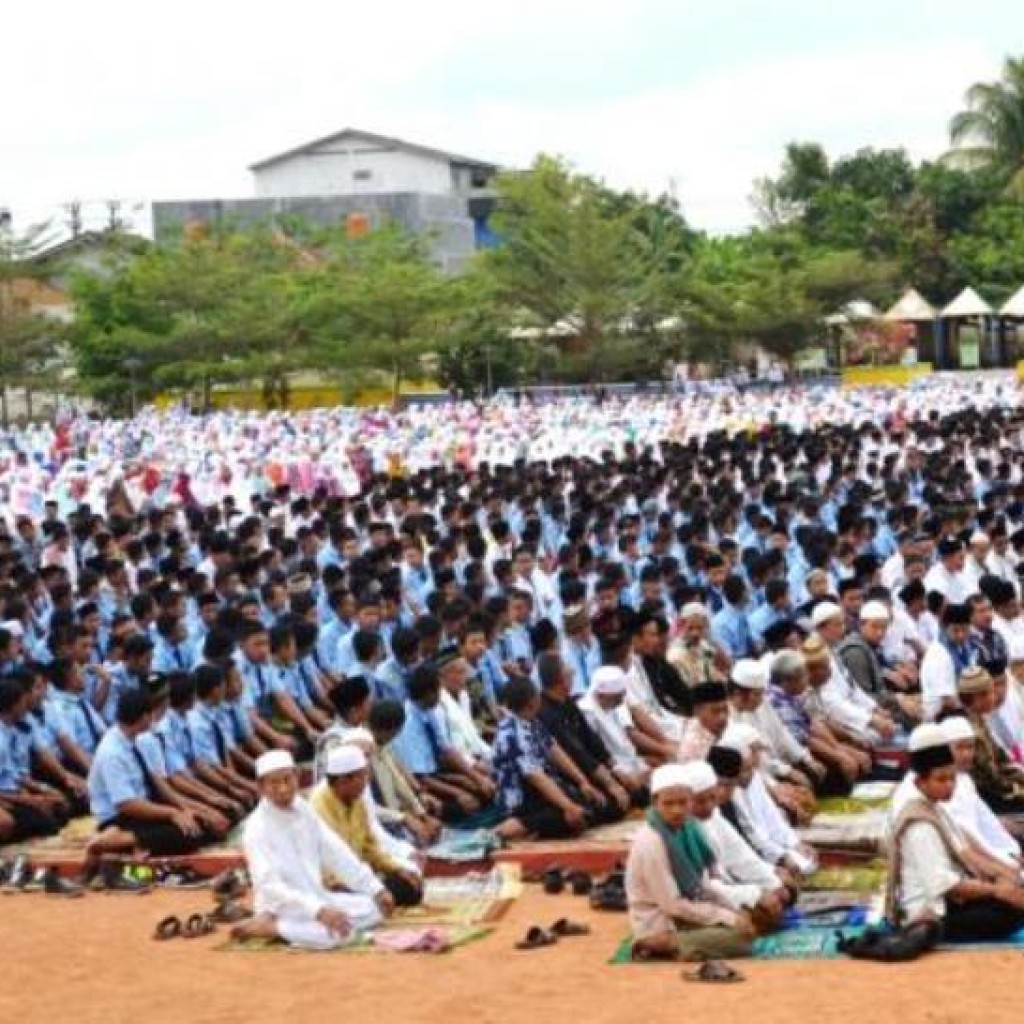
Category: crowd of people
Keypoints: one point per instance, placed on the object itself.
(711, 610)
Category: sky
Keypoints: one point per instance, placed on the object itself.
(116, 100)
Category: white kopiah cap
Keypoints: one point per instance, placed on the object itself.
(700, 776)
(825, 611)
(874, 611)
(957, 729)
(608, 680)
(750, 674)
(274, 761)
(668, 776)
(345, 759)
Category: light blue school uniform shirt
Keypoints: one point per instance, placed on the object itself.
(116, 776)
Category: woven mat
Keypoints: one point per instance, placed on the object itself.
(457, 937)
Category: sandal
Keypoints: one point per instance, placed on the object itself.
(641, 955)
(564, 928)
(168, 928)
(197, 926)
(230, 912)
(536, 938)
(714, 972)
(228, 884)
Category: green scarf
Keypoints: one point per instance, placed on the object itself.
(688, 852)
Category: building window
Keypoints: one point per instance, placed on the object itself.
(479, 177)
(362, 175)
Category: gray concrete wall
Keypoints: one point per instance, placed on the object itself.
(444, 218)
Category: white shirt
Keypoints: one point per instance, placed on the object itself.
(639, 693)
(955, 587)
(938, 679)
(735, 859)
(927, 872)
(462, 729)
(611, 726)
(845, 702)
(289, 852)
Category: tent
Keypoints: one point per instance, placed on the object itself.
(855, 311)
(967, 304)
(967, 341)
(1014, 306)
(912, 308)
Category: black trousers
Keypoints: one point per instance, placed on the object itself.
(986, 920)
(162, 838)
(403, 892)
(31, 822)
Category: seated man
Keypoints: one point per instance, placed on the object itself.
(289, 851)
(402, 806)
(423, 749)
(1000, 782)
(339, 801)
(963, 807)
(125, 796)
(456, 707)
(607, 713)
(673, 911)
(928, 877)
(541, 792)
(767, 829)
(568, 725)
(710, 717)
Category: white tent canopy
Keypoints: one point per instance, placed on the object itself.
(912, 307)
(855, 311)
(967, 303)
(1014, 305)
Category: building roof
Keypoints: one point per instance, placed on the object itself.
(380, 140)
(1014, 304)
(967, 303)
(912, 307)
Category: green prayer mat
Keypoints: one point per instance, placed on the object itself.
(862, 878)
(457, 937)
(849, 805)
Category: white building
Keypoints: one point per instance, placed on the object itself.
(353, 162)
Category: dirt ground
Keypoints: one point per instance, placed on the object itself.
(92, 961)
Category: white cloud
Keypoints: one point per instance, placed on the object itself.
(119, 103)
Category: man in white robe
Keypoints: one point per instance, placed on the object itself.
(289, 851)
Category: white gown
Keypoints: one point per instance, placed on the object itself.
(288, 853)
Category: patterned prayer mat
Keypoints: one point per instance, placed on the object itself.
(473, 899)
(457, 937)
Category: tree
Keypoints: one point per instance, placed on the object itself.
(989, 133)
(28, 339)
(381, 302)
(574, 255)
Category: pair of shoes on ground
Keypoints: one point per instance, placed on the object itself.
(555, 879)
(610, 893)
(537, 937)
(193, 927)
(19, 876)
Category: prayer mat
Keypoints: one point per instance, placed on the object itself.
(857, 832)
(457, 937)
(461, 846)
(868, 878)
(463, 900)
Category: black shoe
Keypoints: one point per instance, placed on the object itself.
(19, 875)
(114, 879)
(5, 869)
(37, 882)
(54, 885)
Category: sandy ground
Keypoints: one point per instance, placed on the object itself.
(92, 961)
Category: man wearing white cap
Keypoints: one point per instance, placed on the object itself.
(929, 876)
(845, 702)
(289, 851)
(772, 837)
(672, 911)
(340, 801)
(607, 713)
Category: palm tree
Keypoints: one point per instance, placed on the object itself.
(989, 134)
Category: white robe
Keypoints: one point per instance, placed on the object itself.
(288, 853)
(736, 860)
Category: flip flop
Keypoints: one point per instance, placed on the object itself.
(536, 938)
(714, 972)
(564, 928)
(230, 912)
(197, 926)
(168, 928)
